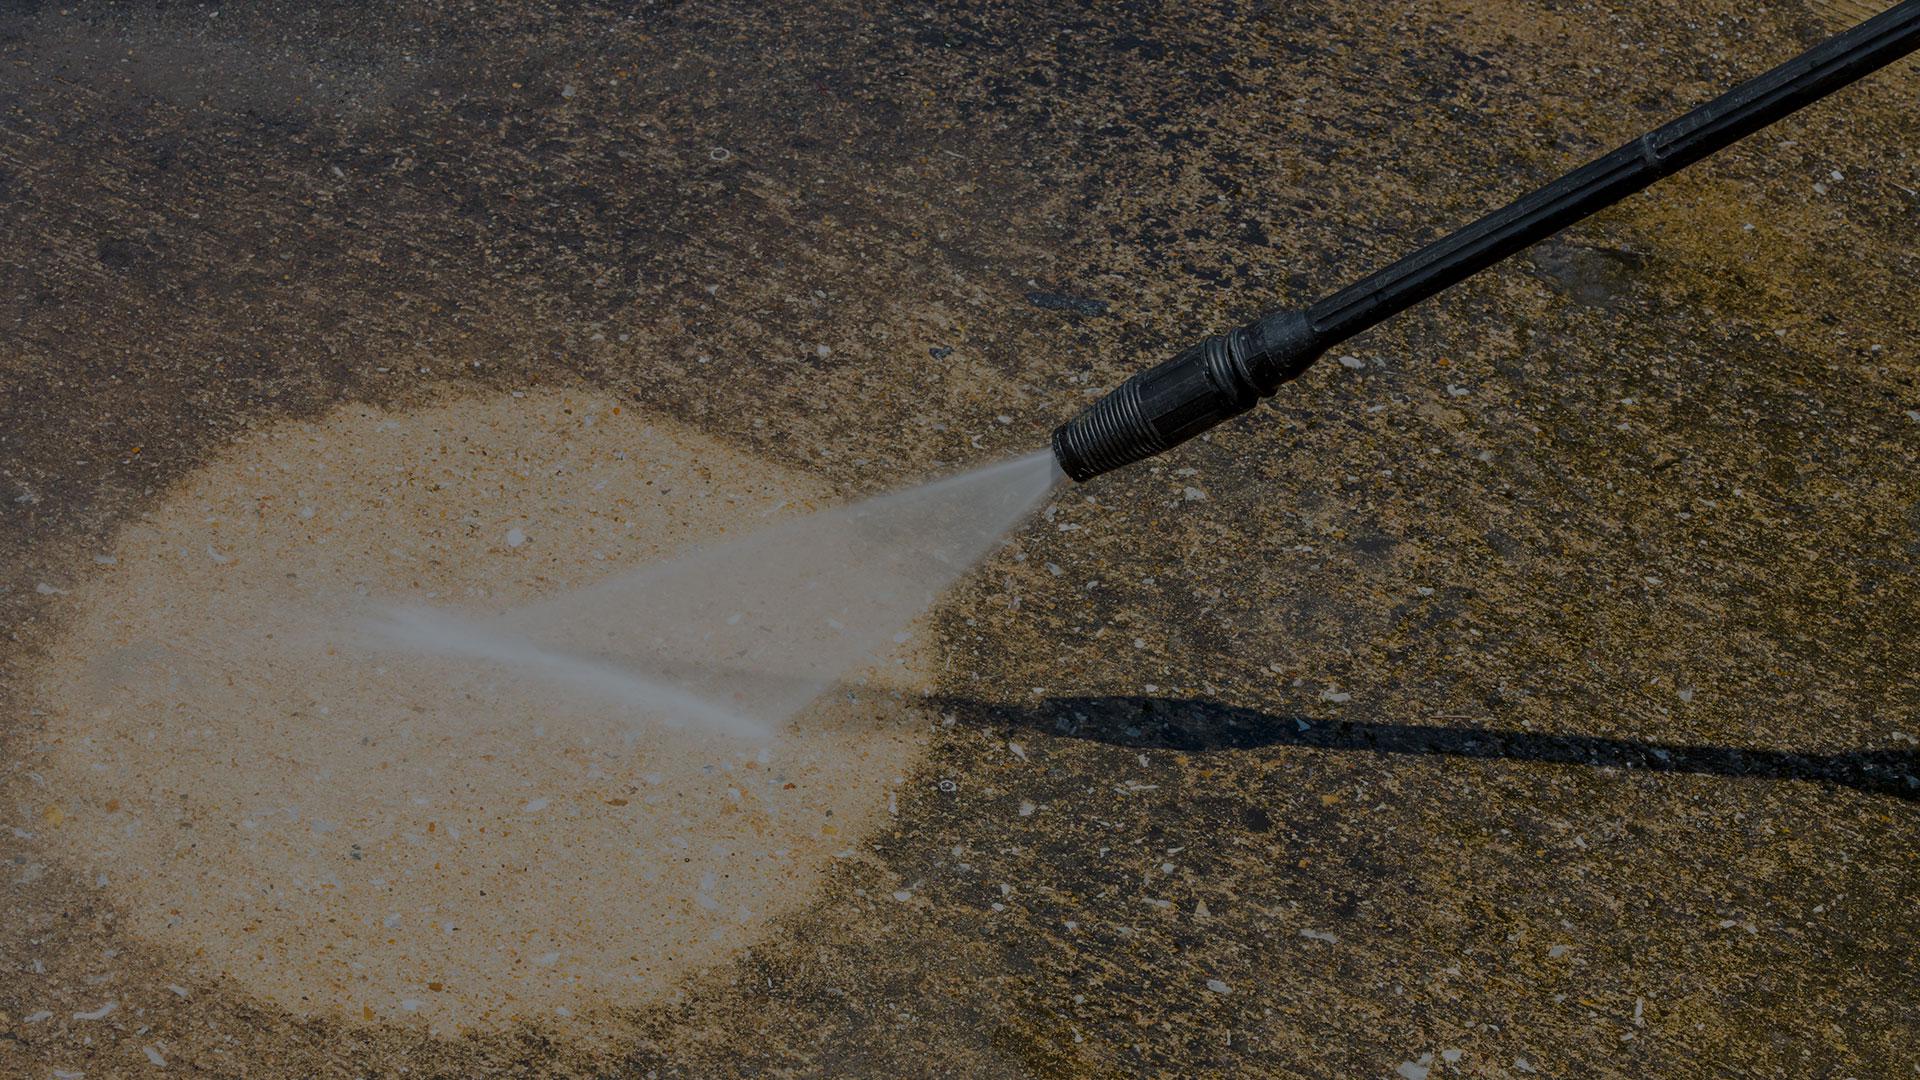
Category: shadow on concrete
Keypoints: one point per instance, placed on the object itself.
(1197, 725)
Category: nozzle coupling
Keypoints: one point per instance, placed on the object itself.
(1216, 380)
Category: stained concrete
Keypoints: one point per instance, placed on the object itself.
(1534, 685)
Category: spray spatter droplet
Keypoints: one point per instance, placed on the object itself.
(739, 637)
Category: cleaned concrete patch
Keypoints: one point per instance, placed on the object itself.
(358, 833)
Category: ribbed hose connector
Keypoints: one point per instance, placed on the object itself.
(1106, 435)
(1158, 408)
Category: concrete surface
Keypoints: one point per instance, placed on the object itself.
(1529, 695)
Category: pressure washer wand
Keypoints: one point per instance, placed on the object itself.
(1228, 374)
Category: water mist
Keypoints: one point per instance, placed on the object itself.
(738, 637)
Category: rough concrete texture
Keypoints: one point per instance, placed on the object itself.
(1528, 692)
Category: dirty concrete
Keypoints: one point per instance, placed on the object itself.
(1638, 506)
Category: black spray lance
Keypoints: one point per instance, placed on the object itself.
(1228, 374)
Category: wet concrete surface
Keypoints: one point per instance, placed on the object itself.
(1638, 505)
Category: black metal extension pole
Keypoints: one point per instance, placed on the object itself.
(1227, 374)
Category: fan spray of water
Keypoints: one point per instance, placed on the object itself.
(738, 637)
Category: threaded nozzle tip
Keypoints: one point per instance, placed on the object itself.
(1108, 434)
